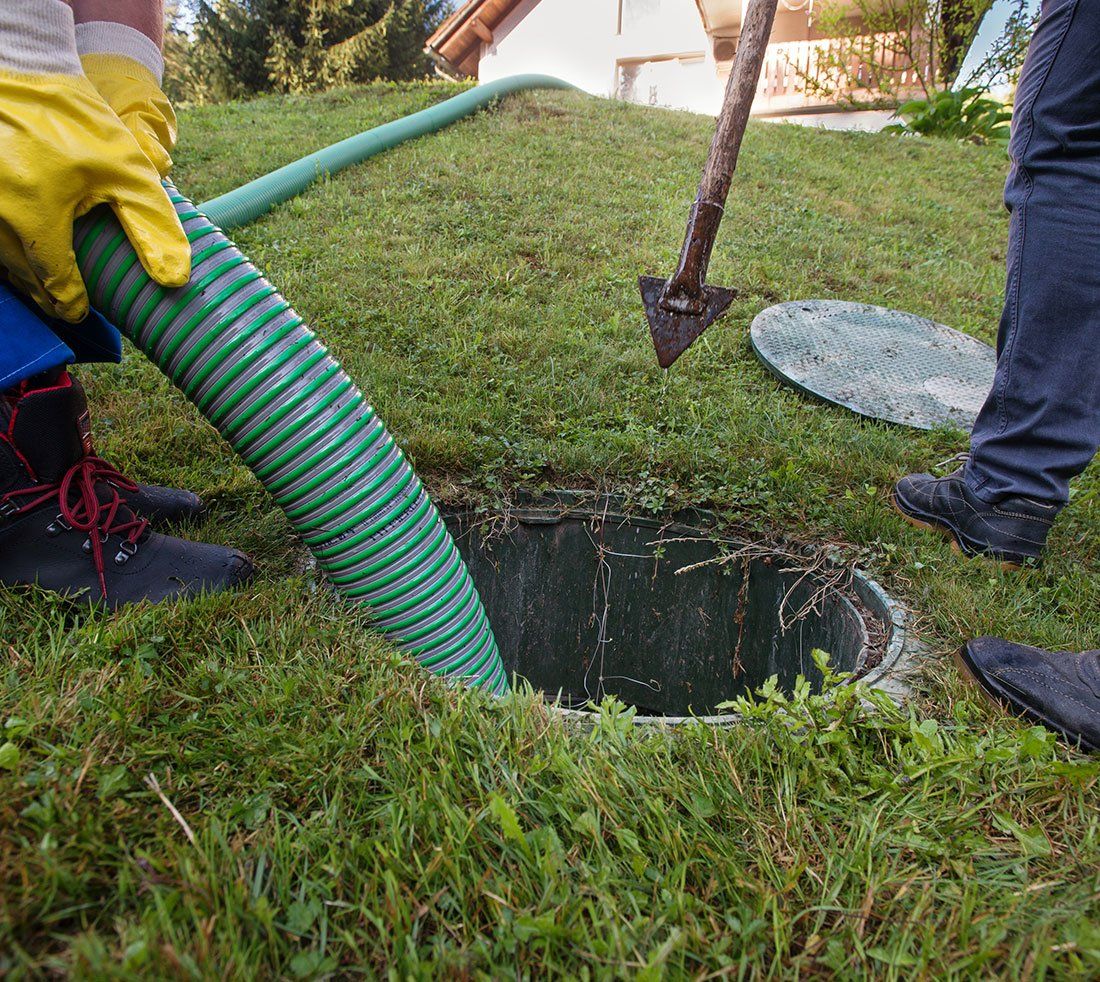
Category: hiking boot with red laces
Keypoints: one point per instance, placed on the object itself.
(62, 408)
(67, 520)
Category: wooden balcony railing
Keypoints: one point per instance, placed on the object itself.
(799, 74)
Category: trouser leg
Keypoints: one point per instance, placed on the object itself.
(1040, 425)
(32, 343)
(27, 346)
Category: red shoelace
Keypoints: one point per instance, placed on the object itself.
(87, 513)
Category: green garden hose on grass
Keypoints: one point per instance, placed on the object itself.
(250, 201)
(242, 355)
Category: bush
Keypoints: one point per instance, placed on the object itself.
(966, 114)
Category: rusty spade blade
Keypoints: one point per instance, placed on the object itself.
(673, 331)
(681, 308)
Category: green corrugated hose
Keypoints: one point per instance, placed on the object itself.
(241, 354)
(256, 198)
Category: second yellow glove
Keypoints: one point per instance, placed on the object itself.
(132, 91)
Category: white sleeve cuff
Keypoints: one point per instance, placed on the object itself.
(104, 37)
(37, 38)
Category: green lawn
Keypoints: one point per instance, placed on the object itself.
(335, 812)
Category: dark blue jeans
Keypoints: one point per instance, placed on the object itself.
(1040, 425)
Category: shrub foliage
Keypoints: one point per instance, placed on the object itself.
(966, 114)
(239, 48)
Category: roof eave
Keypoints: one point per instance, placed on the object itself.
(452, 24)
(444, 67)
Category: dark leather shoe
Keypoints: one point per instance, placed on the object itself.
(1060, 690)
(1012, 531)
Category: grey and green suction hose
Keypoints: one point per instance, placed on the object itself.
(238, 350)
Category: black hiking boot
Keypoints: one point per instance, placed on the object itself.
(1012, 531)
(66, 525)
(1059, 690)
(62, 410)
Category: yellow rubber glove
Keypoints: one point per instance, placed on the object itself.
(132, 91)
(63, 151)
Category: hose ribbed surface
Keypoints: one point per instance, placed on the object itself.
(248, 202)
(242, 355)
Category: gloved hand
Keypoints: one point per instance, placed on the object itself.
(62, 152)
(133, 92)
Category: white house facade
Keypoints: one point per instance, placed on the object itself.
(673, 53)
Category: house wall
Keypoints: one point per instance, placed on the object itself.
(578, 40)
(653, 52)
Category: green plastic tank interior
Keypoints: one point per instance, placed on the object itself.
(665, 613)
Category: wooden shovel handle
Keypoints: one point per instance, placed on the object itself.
(684, 293)
(740, 91)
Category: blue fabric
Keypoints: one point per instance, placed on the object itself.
(1040, 425)
(31, 342)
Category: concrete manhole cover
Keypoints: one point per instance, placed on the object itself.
(880, 363)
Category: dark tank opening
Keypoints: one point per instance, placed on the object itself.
(671, 619)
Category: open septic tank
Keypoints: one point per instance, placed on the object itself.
(664, 613)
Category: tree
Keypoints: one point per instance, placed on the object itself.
(187, 68)
(1005, 58)
(339, 41)
(959, 21)
(250, 46)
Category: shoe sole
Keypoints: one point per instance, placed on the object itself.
(956, 546)
(1003, 702)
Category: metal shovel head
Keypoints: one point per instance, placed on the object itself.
(673, 333)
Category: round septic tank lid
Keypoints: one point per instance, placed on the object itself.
(880, 363)
(667, 613)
